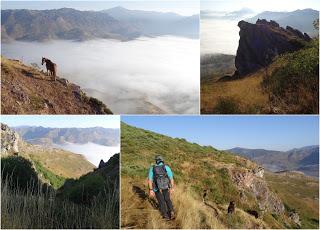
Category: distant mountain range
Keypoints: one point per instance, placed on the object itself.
(298, 19)
(233, 15)
(305, 159)
(48, 136)
(115, 23)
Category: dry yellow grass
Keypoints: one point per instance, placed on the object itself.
(58, 161)
(138, 211)
(247, 92)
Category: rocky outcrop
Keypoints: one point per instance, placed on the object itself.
(295, 218)
(260, 43)
(252, 181)
(9, 140)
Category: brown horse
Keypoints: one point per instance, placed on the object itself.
(51, 67)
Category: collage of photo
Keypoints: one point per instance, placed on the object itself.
(160, 114)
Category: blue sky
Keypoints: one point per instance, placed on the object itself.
(259, 6)
(62, 121)
(224, 132)
(183, 7)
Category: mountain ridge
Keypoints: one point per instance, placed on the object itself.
(71, 24)
(304, 159)
(50, 135)
(301, 19)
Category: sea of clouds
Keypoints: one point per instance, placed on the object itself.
(140, 76)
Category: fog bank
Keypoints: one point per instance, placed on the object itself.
(91, 151)
(219, 36)
(141, 76)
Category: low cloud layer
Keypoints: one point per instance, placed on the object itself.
(219, 36)
(141, 76)
(92, 152)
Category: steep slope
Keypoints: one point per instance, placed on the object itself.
(196, 168)
(305, 159)
(45, 135)
(61, 163)
(299, 193)
(65, 23)
(26, 90)
(299, 19)
(30, 189)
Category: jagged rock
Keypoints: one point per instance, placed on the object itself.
(252, 181)
(260, 43)
(295, 218)
(9, 140)
(64, 81)
(259, 172)
(102, 164)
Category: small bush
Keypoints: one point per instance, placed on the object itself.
(227, 105)
(20, 172)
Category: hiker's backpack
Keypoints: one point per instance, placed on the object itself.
(160, 177)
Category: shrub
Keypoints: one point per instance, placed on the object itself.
(19, 173)
(227, 105)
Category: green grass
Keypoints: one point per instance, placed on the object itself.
(55, 180)
(293, 86)
(193, 165)
(298, 194)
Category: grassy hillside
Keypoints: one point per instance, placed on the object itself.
(288, 85)
(27, 90)
(195, 168)
(28, 202)
(215, 66)
(299, 193)
(60, 162)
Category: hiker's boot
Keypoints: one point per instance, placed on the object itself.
(172, 215)
(167, 218)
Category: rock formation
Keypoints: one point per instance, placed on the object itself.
(260, 43)
(9, 140)
(295, 218)
(252, 181)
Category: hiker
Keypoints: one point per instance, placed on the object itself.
(161, 185)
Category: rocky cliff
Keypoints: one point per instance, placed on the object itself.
(27, 90)
(260, 43)
(253, 182)
(9, 141)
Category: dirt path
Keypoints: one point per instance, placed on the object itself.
(141, 211)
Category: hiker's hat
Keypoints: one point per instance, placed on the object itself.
(159, 158)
